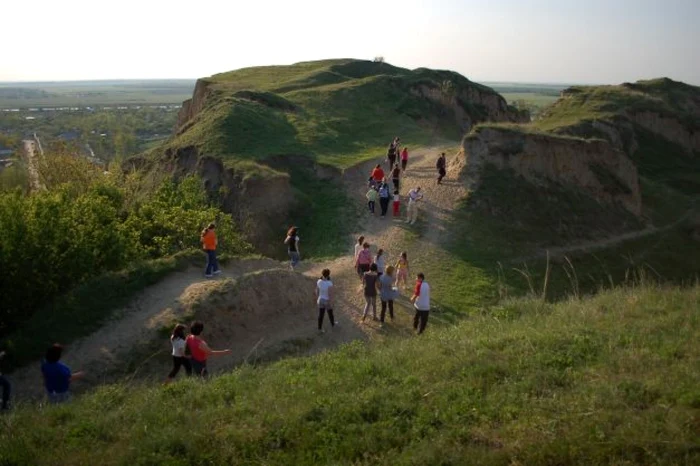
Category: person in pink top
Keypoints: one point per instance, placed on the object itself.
(404, 158)
(363, 260)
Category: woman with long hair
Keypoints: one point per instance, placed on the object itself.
(292, 242)
(178, 342)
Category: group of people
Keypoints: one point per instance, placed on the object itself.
(384, 279)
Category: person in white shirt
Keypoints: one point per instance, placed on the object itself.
(324, 298)
(421, 301)
(177, 339)
(414, 196)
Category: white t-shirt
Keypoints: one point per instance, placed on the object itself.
(178, 347)
(423, 301)
(323, 287)
(414, 195)
(358, 248)
(397, 198)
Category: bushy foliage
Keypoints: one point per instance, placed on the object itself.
(83, 225)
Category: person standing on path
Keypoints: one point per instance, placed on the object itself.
(57, 376)
(377, 176)
(370, 284)
(395, 176)
(178, 342)
(6, 388)
(371, 199)
(209, 243)
(404, 158)
(402, 270)
(324, 298)
(397, 203)
(199, 349)
(292, 242)
(391, 152)
(358, 248)
(379, 260)
(384, 197)
(414, 196)
(363, 261)
(421, 301)
(387, 293)
(441, 166)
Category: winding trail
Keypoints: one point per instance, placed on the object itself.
(103, 353)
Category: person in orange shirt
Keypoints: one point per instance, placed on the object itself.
(209, 243)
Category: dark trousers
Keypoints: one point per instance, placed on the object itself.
(396, 183)
(199, 368)
(370, 204)
(384, 203)
(212, 263)
(390, 304)
(322, 312)
(6, 390)
(421, 318)
(441, 174)
(180, 362)
(392, 160)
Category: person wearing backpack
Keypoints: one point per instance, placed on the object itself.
(209, 243)
(441, 165)
(371, 199)
(384, 197)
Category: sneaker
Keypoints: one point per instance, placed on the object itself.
(217, 272)
(208, 275)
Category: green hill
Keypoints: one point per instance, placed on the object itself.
(336, 111)
(603, 381)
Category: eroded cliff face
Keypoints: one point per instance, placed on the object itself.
(669, 128)
(259, 204)
(191, 107)
(596, 167)
(485, 106)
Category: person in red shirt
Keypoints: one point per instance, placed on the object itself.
(199, 350)
(377, 175)
(209, 244)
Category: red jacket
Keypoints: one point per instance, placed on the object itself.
(377, 174)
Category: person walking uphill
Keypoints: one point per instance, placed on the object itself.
(404, 158)
(441, 165)
(292, 242)
(387, 293)
(414, 196)
(391, 152)
(384, 197)
(421, 301)
(371, 199)
(370, 284)
(396, 175)
(209, 243)
(324, 298)
(363, 260)
(199, 349)
(57, 376)
(377, 176)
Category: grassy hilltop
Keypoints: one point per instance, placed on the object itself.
(337, 111)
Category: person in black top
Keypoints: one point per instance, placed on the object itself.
(395, 175)
(440, 165)
(392, 152)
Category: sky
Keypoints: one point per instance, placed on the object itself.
(533, 41)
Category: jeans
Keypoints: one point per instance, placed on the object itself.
(422, 318)
(293, 258)
(212, 263)
(324, 307)
(384, 203)
(370, 301)
(370, 205)
(177, 362)
(391, 309)
(6, 391)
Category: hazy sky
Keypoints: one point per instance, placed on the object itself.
(569, 41)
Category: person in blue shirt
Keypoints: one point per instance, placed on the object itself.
(57, 376)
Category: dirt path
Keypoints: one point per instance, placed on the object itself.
(104, 352)
(604, 243)
(389, 233)
(29, 152)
